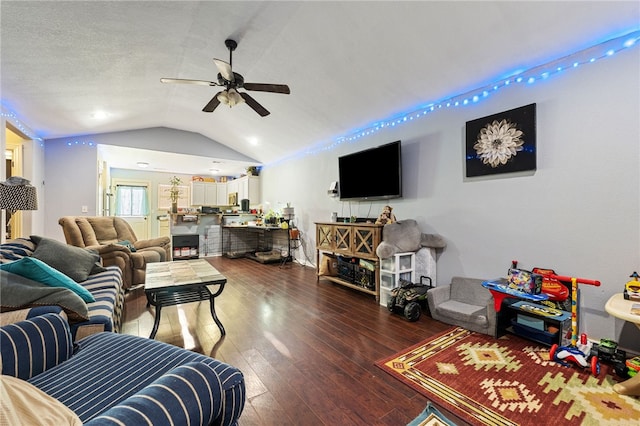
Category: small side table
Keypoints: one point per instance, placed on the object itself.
(619, 307)
(183, 281)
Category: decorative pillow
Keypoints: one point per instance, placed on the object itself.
(75, 262)
(18, 292)
(37, 270)
(16, 249)
(128, 244)
(23, 403)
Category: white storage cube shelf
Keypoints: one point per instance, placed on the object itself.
(393, 269)
(385, 295)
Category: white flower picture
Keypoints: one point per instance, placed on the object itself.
(502, 143)
(498, 142)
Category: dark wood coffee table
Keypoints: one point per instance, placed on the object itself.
(182, 281)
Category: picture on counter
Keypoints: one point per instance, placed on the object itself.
(502, 143)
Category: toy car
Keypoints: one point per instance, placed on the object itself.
(633, 366)
(607, 350)
(409, 298)
(632, 287)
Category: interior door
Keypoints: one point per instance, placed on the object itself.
(139, 225)
(132, 199)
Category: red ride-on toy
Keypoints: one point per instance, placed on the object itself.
(577, 353)
(566, 355)
(409, 298)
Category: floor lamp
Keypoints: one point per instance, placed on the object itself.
(17, 193)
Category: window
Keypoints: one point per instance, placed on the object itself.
(131, 201)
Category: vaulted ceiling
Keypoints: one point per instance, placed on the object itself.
(347, 63)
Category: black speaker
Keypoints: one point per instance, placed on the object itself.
(244, 205)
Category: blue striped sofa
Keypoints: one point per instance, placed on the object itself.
(105, 314)
(118, 379)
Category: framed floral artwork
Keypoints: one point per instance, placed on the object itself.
(502, 143)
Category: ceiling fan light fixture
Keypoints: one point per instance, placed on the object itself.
(234, 97)
(230, 97)
(223, 97)
(230, 81)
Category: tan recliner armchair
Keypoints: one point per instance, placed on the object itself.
(103, 233)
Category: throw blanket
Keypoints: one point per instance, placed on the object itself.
(17, 292)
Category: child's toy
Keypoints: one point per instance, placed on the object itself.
(578, 354)
(633, 366)
(607, 350)
(405, 236)
(524, 281)
(557, 291)
(409, 298)
(386, 216)
(632, 288)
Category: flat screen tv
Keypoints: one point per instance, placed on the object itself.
(372, 174)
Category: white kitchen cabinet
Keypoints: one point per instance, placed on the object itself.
(232, 186)
(204, 194)
(249, 188)
(223, 198)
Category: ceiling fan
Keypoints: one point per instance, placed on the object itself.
(232, 81)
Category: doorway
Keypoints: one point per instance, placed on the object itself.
(131, 202)
(13, 167)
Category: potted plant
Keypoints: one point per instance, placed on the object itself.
(253, 171)
(174, 193)
(271, 217)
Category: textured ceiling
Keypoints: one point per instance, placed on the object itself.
(347, 63)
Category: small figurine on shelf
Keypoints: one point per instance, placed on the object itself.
(386, 216)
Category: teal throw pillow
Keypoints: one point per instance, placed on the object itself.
(39, 271)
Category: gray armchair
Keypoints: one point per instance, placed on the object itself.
(105, 234)
(465, 303)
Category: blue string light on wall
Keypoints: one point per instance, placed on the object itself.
(530, 76)
(12, 118)
(77, 143)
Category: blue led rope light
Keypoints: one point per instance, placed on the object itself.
(589, 55)
(13, 119)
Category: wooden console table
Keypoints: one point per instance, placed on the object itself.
(355, 240)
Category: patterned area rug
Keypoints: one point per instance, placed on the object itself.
(509, 381)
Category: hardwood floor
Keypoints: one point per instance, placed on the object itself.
(307, 349)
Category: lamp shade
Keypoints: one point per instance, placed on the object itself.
(17, 194)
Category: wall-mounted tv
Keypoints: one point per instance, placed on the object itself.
(372, 174)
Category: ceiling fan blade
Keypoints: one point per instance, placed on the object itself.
(213, 104)
(188, 81)
(224, 68)
(255, 105)
(273, 88)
